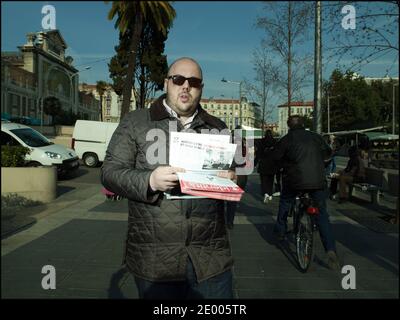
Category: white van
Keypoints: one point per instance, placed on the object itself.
(43, 151)
(90, 140)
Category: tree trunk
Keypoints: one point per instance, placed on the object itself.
(101, 108)
(264, 104)
(142, 86)
(127, 89)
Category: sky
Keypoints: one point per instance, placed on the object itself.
(220, 35)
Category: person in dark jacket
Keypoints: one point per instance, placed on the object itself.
(174, 248)
(267, 168)
(303, 154)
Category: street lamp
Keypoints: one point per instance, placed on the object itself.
(240, 97)
(394, 110)
(329, 117)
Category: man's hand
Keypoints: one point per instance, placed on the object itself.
(164, 178)
(228, 174)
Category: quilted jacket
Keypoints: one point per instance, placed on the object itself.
(163, 233)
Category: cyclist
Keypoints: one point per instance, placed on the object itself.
(302, 155)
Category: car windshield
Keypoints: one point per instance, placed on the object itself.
(31, 137)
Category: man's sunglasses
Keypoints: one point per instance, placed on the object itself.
(180, 80)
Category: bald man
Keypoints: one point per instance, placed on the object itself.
(175, 249)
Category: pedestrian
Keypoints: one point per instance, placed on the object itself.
(175, 249)
(353, 173)
(267, 168)
(303, 154)
(334, 145)
(231, 206)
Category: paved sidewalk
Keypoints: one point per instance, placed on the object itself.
(81, 235)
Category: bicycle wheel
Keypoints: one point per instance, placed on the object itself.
(305, 239)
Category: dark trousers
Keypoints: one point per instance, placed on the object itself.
(278, 178)
(230, 211)
(217, 287)
(267, 183)
(288, 198)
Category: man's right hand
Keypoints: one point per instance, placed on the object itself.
(164, 178)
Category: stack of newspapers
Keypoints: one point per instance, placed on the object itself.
(203, 156)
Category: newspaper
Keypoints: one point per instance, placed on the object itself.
(201, 155)
(208, 185)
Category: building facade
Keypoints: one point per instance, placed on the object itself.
(111, 102)
(232, 112)
(37, 71)
(18, 90)
(303, 108)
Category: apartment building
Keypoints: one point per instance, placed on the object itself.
(232, 112)
(303, 108)
(111, 102)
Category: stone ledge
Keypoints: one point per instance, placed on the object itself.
(34, 183)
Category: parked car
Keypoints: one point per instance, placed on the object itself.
(90, 140)
(43, 151)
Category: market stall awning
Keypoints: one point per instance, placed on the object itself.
(373, 136)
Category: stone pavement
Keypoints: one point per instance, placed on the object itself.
(81, 234)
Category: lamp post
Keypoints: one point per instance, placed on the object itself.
(329, 114)
(240, 96)
(394, 109)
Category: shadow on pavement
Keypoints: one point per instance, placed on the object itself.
(383, 253)
(63, 190)
(73, 174)
(287, 247)
(17, 224)
(377, 247)
(373, 207)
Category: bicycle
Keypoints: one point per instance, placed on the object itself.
(305, 225)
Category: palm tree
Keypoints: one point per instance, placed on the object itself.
(131, 17)
(101, 87)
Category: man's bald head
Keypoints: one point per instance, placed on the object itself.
(184, 97)
(184, 59)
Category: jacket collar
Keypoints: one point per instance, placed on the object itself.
(158, 113)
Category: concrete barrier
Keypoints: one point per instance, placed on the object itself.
(35, 183)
